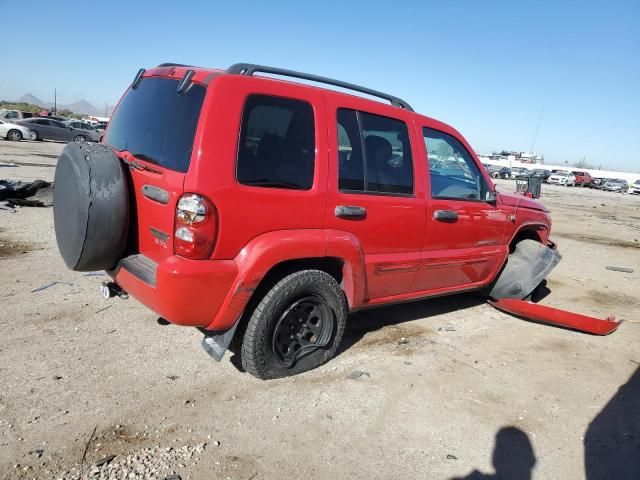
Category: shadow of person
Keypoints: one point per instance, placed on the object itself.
(612, 441)
(513, 457)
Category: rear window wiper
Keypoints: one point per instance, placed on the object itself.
(141, 166)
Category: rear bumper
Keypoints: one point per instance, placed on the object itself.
(184, 292)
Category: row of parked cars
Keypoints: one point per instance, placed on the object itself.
(566, 178)
(51, 128)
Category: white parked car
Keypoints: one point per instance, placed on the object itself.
(635, 187)
(566, 179)
(515, 171)
(14, 132)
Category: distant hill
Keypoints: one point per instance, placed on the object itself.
(32, 99)
(82, 107)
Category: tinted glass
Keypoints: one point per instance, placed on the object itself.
(277, 143)
(389, 167)
(452, 171)
(351, 173)
(156, 124)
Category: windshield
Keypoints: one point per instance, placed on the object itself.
(157, 124)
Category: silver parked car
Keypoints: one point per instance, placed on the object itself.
(14, 132)
(49, 129)
(616, 185)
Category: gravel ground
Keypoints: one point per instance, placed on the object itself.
(421, 390)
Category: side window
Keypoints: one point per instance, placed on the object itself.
(387, 165)
(277, 143)
(452, 171)
(42, 122)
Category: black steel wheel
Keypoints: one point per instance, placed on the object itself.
(306, 325)
(296, 326)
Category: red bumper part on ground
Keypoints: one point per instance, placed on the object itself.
(555, 316)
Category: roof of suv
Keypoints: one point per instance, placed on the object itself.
(206, 75)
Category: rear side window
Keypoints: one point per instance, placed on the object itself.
(156, 124)
(374, 154)
(277, 143)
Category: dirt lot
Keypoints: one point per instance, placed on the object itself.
(83, 379)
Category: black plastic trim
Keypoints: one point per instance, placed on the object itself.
(249, 69)
(141, 267)
(162, 65)
(137, 79)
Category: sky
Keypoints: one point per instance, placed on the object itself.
(488, 68)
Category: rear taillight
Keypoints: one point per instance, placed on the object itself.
(195, 227)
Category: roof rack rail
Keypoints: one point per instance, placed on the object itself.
(173, 65)
(249, 69)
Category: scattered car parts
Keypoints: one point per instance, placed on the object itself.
(555, 316)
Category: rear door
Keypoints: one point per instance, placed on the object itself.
(42, 126)
(464, 241)
(153, 130)
(373, 192)
(60, 131)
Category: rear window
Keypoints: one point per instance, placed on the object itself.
(156, 124)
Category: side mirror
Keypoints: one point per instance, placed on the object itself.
(490, 196)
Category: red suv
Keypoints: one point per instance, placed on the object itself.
(262, 211)
(582, 178)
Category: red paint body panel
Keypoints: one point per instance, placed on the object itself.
(187, 292)
(397, 253)
(391, 235)
(555, 316)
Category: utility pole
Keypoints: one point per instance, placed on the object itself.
(535, 135)
(55, 101)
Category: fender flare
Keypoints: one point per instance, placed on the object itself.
(534, 226)
(266, 251)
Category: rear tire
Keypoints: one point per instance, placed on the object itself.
(305, 311)
(80, 139)
(14, 135)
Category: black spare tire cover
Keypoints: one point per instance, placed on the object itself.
(90, 207)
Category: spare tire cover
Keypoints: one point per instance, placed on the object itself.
(90, 207)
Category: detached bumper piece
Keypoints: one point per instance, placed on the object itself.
(526, 267)
(555, 316)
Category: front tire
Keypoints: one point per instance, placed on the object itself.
(80, 139)
(297, 326)
(14, 135)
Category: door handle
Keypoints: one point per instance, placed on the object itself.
(350, 212)
(445, 216)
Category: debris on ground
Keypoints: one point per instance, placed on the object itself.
(37, 193)
(149, 463)
(6, 206)
(447, 328)
(51, 284)
(357, 374)
(619, 269)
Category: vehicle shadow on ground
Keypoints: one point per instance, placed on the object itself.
(363, 322)
(612, 441)
(513, 457)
